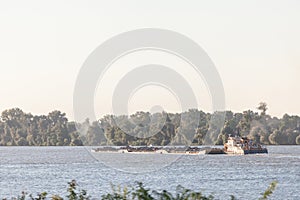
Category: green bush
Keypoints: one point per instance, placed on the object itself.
(137, 192)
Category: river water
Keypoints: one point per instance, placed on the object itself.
(38, 169)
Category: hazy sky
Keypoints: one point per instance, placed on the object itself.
(255, 46)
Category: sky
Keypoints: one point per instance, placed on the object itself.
(254, 45)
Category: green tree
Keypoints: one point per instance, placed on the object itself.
(263, 108)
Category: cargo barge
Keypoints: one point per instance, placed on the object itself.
(160, 150)
(234, 145)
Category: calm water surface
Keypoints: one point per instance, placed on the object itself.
(38, 169)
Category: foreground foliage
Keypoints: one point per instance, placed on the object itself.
(138, 192)
(142, 128)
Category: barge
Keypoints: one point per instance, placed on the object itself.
(234, 145)
(160, 150)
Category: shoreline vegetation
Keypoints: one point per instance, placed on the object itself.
(137, 192)
(18, 128)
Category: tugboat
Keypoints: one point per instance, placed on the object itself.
(243, 145)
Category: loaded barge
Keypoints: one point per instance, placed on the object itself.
(234, 145)
(160, 150)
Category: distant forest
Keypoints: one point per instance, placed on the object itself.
(143, 128)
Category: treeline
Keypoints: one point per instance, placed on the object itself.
(24, 129)
(192, 127)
